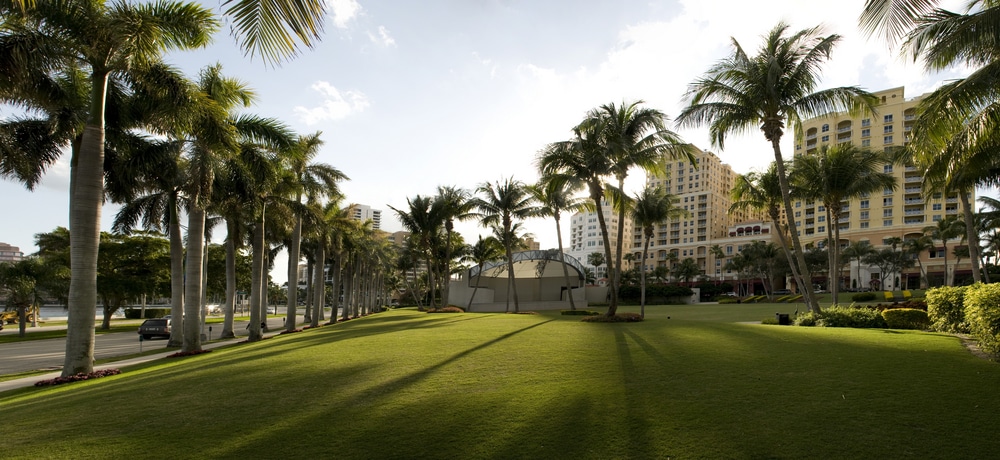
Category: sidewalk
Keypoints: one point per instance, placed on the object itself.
(30, 381)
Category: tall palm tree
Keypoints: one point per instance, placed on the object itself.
(833, 175)
(485, 250)
(916, 246)
(773, 91)
(313, 180)
(583, 158)
(555, 195)
(633, 136)
(104, 39)
(453, 204)
(945, 229)
(652, 206)
(501, 205)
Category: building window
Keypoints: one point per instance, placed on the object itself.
(866, 132)
(936, 217)
(798, 213)
(887, 212)
(864, 215)
(887, 118)
(887, 129)
(864, 225)
(887, 201)
(866, 142)
(936, 207)
(825, 138)
(866, 122)
(821, 229)
(825, 128)
(887, 223)
(798, 204)
(887, 169)
(887, 191)
(864, 204)
(887, 140)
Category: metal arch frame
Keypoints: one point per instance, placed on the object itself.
(522, 256)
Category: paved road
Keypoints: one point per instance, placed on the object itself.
(33, 355)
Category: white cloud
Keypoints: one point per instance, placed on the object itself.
(383, 38)
(344, 11)
(336, 105)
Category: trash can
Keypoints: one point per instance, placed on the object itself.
(782, 319)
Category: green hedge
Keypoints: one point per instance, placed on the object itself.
(946, 309)
(133, 313)
(851, 317)
(655, 294)
(982, 312)
(863, 296)
(905, 318)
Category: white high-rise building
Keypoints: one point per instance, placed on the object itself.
(585, 237)
(363, 212)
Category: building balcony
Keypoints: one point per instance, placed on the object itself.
(844, 129)
(951, 200)
(811, 137)
(951, 211)
(914, 220)
(844, 220)
(910, 190)
(910, 180)
(909, 117)
(914, 212)
(913, 201)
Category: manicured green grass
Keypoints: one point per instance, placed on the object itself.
(404, 384)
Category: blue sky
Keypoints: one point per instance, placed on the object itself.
(413, 95)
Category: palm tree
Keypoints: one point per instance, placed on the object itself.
(21, 282)
(652, 206)
(502, 205)
(687, 270)
(833, 175)
(945, 229)
(718, 254)
(555, 195)
(424, 224)
(633, 136)
(916, 246)
(762, 192)
(858, 250)
(105, 39)
(314, 180)
(485, 250)
(453, 204)
(596, 259)
(772, 91)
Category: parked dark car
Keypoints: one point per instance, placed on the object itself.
(157, 327)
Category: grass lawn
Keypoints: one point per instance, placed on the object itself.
(404, 384)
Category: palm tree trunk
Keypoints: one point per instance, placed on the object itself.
(800, 258)
(230, 307)
(293, 276)
(835, 255)
(310, 268)
(85, 236)
(192, 279)
(971, 235)
(776, 218)
(619, 242)
(176, 278)
(335, 274)
(257, 273)
(562, 258)
(642, 278)
(319, 284)
(596, 194)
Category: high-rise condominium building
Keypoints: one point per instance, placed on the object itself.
(902, 212)
(364, 212)
(703, 191)
(585, 237)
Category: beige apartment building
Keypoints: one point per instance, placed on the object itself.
(703, 190)
(903, 212)
(10, 253)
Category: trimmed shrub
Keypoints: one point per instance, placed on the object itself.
(448, 309)
(851, 317)
(905, 318)
(579, 312)
(655, 294)
(863, 297)
(133, 313)
(946, 309)
(982, 313)
(726, 300)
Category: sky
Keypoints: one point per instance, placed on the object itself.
(410, 96)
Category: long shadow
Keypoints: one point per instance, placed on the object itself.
(394, 385)
(637, 418)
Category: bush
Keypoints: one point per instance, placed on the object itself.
(982, 313)
(851, 317)
(655, 294)
(133, 313)
(448, 309)
(906, 318)
(619, 318)
(863, 297)
(946, 309)
(580, 312)
(726, 300)
(804, 319)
